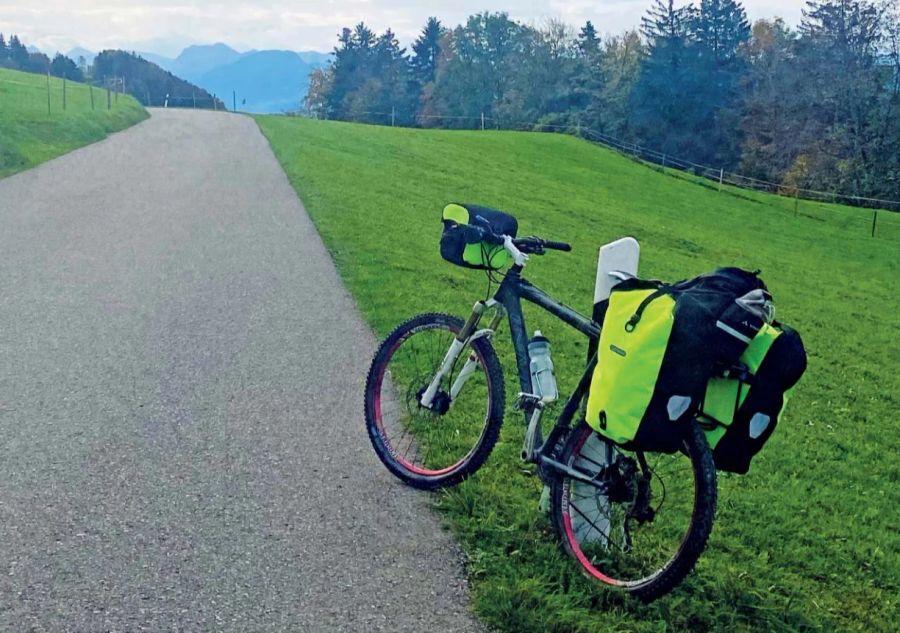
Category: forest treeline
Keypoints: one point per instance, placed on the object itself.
(14, 54)
(817, 106)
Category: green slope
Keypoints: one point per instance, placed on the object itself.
(808, 540)
(28, 136)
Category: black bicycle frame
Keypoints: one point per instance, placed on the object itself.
(512, 290)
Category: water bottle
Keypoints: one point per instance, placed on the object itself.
(542, 379)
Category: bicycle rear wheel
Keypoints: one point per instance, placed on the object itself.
(636, 530)
(441, 446)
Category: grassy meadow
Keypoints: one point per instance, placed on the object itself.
(809, 540)
(28, 136)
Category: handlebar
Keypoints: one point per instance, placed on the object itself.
(557, 246)
(526, 245)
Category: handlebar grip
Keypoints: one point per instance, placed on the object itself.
(557, 246)
(486, 230)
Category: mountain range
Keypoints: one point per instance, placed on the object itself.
(261, 81)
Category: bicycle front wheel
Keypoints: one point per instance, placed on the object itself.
(633, 526)
(430, 448)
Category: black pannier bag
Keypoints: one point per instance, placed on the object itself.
(462, 246)
(659, 346)
(741, 409)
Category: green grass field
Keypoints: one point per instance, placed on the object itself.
(809, 539)
(28, 136)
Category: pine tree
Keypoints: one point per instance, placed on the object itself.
(18, 54)
(720, 27)
(4, 51)
(588, 41)
(427, 50)
(667, 30)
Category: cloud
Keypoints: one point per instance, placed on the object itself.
(166, 26)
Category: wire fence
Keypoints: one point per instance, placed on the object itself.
(717, 177)
(45, 98)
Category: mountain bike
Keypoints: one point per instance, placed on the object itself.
(435, 402)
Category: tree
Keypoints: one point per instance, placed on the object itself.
(18, 54)
(772, 102)
(667, 101)
(609, 109)
(838, 56)
(721, 28)
(4, 50)
(368, 80)
(476, 70)
(37, 63)
(588, 41)
(62, 66)
(720, 31)
(427, 51)
(541, 86)
(320, 86)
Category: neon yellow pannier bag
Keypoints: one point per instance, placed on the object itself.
(628, 363)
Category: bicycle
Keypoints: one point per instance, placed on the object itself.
(633, 521)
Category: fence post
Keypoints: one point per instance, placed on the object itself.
(664, 161)
(482, 120)
(91, 88)
(721, 177)
(393, 115)
(48, 92)
(874, 219)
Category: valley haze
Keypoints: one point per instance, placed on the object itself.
(265, 81)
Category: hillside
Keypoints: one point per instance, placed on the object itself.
(806, 541)
(28, 136)
(147, 82)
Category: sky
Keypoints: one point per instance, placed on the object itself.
(167, 26)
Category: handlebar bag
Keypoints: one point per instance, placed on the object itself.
(741, 409)
(659, 346)
(462, 242)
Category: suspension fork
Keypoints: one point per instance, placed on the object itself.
(465, 337)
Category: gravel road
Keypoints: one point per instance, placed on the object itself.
(181, 435)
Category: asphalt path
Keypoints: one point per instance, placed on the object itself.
(181, 378)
